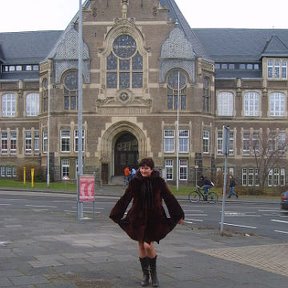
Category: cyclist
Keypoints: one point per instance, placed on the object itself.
(205, 184)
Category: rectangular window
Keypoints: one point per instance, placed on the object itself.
(277, 69)
(169, 169)
(28, 142)
(65, 140)
(13, 142)
(183, 169)
(250, 177)
(246, 143)
(256, 142)
(183, 141)
(3, 171)
(76, 140)
(276, 177)
(169, 141)
(282, 177)
(206, 141)
(65, 165)
(220, 142)
(45, 141)
(4, 142)
(36, 141)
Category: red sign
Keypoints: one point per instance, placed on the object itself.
(86, 187)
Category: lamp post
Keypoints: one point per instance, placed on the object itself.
(177, 131)
(48, 123)
(80, 111)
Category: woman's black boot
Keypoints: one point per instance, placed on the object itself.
(153, 271)
(145, 268)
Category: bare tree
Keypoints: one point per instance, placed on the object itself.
(269, 151)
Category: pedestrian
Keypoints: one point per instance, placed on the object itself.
(133, 172)
(205, 184)
(126, 172)
(232, 185)
(146, 221)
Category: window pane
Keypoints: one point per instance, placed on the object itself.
(225, 104)
(32, 104)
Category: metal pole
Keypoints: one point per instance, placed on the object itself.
(48, 124)
(226, 134)
(80, 110)
(177, 131)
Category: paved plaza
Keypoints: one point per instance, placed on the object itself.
(41, 249)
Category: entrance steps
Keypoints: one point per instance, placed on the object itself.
(117, 180)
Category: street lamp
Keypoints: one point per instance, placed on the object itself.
(80, 110)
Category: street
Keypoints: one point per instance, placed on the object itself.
(43, 245)
(263, 218)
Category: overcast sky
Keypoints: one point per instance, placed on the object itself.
(30, 15)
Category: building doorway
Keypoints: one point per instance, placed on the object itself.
(125, 153)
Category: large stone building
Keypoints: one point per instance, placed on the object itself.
(140, 58)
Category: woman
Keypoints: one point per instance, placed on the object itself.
(146, 220)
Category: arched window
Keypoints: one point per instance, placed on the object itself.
(277, 104)
(124, 64)
(251, 103)
(176, 87)
(225, 104)
(32, 104)
(9, 105)
(70, 90)
(206, 95)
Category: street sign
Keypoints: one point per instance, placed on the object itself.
(87, 188)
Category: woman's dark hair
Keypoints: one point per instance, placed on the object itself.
(147, 162)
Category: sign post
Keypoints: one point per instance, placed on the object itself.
(87, 190)
(225, 150)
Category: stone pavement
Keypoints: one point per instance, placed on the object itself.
(41, 249)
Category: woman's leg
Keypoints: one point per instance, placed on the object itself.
(144, 260)
(146, 250)
(150, 249)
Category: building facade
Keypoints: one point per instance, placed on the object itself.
(152, 86)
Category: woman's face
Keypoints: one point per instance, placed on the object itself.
(145, 171)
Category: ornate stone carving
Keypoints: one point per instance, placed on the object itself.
(124, 98)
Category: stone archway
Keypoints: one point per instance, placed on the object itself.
(125, 152)
(109, 137)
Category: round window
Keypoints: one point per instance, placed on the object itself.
(124, 46)
(176, 79)
(71, 80)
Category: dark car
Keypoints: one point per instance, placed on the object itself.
(284, 200)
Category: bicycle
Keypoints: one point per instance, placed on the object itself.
(198, 194)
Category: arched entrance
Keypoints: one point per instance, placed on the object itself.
(125, 152)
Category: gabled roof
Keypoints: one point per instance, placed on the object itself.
(275, 47)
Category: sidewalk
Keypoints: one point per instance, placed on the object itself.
(41, 249)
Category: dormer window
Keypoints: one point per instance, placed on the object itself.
(277, 69)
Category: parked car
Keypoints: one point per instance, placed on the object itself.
(284, 200)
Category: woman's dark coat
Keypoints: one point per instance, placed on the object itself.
(146, 220)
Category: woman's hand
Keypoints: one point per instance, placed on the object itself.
(181, 221)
